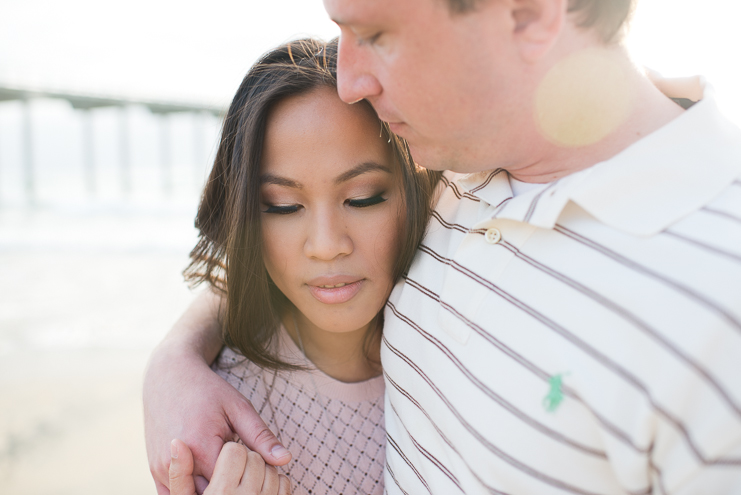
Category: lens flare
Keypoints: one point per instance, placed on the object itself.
(583, 98)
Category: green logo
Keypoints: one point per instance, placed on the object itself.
(555, 394)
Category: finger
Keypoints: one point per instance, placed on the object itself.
(271, 484)
(201, 484)
(230, 467)
(254, 473)
(181, 469)
(255, 434)
(285, 485)
(206, 449)
(161, 489)
(159, 465)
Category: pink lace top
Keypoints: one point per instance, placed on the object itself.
(334, 430)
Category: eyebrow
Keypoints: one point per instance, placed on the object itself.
(360, 169)
(280, 181)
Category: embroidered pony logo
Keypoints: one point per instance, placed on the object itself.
(555, 394)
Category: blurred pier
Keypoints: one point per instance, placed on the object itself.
(97, 199)
(33, 120)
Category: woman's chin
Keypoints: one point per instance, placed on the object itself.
(337, 323)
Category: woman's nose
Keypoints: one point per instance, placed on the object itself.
(327, 237)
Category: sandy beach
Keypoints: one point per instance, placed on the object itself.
(84, 299)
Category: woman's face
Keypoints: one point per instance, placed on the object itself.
(332, 209)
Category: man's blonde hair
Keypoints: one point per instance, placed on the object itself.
(607, 17)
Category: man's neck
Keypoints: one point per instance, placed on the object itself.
(589, 109)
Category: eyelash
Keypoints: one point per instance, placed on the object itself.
(355, 203)
(366, 202)
(370, 41)
(281, 210)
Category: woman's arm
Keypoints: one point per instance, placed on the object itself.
(184, 398)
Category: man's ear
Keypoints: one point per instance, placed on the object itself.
(537, 24)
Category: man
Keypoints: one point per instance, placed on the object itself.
(572, 320)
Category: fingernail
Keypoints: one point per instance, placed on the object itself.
(173, 450)
(279, 451)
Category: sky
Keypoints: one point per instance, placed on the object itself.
(194, 50)
(688, 37)
(163, 49)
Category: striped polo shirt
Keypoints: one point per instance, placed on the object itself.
(582, 338)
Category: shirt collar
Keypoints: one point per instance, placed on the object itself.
(642, 190)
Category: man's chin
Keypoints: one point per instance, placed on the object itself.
(441, 158)
(429, 158)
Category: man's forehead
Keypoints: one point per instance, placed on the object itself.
(362, 12)
(351, 12)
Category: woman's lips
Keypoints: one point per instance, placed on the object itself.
(336, 295)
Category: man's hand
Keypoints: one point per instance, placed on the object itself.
(185, 399)
(238, 471)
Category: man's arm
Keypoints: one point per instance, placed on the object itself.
(185, 399)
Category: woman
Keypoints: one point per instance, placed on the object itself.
(311, 213)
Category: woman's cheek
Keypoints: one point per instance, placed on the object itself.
(276, 249)
(388, 234)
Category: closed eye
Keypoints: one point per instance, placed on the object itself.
(371, 40)
(365, 202)
(281, 210)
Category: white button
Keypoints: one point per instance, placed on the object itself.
(493, 236)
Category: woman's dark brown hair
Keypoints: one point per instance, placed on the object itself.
(229, 253)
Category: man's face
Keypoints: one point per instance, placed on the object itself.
(448, 83)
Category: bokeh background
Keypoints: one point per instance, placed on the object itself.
(97, 199)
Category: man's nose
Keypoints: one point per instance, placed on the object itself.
(327, 237)
(355, 79)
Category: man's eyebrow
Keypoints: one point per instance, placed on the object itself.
(361, 169)
(280, 181)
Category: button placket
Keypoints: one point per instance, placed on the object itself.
(466, 303)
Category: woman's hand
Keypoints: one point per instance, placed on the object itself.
(238, 472)
(184, 398)
(690, 88)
